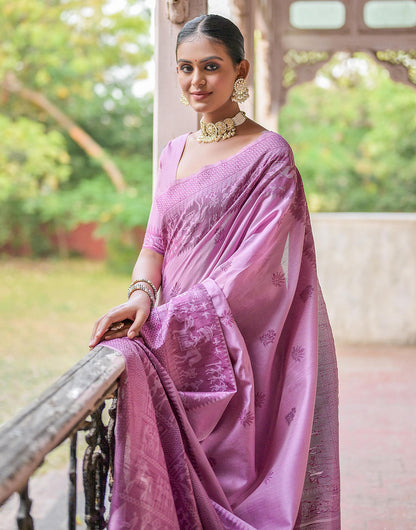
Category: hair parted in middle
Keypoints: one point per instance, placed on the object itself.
(217, 28)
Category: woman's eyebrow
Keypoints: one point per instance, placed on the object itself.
(210, 58)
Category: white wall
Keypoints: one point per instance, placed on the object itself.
(367, 269)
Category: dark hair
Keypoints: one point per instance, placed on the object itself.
(216, 28)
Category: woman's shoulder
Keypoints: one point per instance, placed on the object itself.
(168, 160)
(172, 152)
(175, 144)
(275, 146)
(271, 138)
(276, 139)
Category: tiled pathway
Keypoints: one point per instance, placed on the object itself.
(378, 447)
(378, 438)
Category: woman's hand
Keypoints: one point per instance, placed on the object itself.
(132, 314)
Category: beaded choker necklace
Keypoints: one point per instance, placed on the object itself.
(214, 132)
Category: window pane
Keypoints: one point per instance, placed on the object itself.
(317, 15)
(390, 14)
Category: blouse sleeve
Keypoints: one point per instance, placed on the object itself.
(153, 237)
(166, 177)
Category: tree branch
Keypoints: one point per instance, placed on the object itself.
(12, 85)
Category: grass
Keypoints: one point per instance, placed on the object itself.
(47, 310)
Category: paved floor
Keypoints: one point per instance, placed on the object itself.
(49, 494)
(378, 438)
(378, 447)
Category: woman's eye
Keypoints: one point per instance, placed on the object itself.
(186, 68)
(212, 67)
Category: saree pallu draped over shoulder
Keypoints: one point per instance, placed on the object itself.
(228, 409)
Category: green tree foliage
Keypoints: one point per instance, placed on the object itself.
(32, 160)
(81, 57)
(33, 164)
(65, 47)
(354, 136)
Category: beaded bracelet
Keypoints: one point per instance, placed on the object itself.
(151, 284)
(139, 287)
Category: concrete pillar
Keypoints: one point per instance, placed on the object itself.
(268, 62)
(171, 118)
(242, 14)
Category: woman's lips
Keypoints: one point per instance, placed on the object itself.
(200, 95)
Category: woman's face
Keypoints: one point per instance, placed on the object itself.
(206, 74)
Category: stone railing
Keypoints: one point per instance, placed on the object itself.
(74, 403)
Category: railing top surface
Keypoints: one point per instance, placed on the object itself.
(49, 419)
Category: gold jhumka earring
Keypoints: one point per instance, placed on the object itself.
(183, 100)
(240, 92)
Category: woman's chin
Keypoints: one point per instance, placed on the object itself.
(200, 106)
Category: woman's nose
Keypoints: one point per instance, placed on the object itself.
(198, 78)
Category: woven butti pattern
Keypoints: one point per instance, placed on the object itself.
(237, 391)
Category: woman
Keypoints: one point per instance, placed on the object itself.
(228, 407)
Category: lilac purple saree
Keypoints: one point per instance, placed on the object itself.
(228, 407)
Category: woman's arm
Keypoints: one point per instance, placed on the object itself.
(137, 307)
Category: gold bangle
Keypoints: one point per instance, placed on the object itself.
(139, 287)
(151, 284)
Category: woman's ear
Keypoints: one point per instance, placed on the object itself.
(243, 68)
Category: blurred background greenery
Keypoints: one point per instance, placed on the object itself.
(47, 309)
(353, 132)
(70, 109)
(68, 74)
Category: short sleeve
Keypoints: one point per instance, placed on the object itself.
(168, 162)
(153, 237)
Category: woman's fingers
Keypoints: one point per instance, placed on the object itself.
(126, 327)
(141, 317)
(118, 329)
(100, 328)
(113, 323)
(94, 333)
(103, 324)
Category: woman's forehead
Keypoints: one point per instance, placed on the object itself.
(199, 47)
